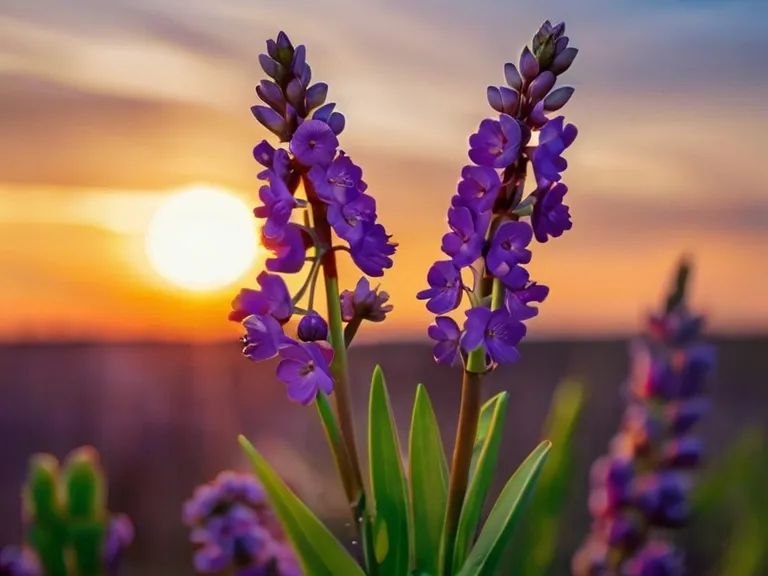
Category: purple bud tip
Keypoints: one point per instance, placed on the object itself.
(512, 76)
(529, 66)
(558, 98)
(563, 60)
(541, 86)
(313, 328)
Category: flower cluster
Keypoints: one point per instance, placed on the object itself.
(23, 561)
(485, 212)
(234, 529)
(643, 485)
(335, 204)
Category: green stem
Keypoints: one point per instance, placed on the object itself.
(497, 295)
(351, 330)
(469, 413)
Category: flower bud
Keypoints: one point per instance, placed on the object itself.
(541, 86)
(316, 95)
(563, 61)
(558, 98)
(529, 66)
(271, 95)
(313, 327)
(271, 120)
(512, 76)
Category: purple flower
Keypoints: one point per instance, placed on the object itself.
(373, 250)
(446, 287)
(305, 370)
(340, 182)
(335, 120)
(509, 247)
(264, 337)
(275, 161)
(465, 243)
(446, 334)
(16, 561)
(499, 332)
(118, 538)
(479, 187)
(314, 143)
(364, 303)
(496, 143)
(349, 220)
(550, 215)
(655, 559)
(289, 250)
(547, 159)
(278, 206)
(224, 537)
(313, 327)
(518, 299)
(273, 299)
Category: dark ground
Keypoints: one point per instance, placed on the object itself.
(165, 418)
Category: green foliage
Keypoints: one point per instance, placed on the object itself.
(732, 499)
(388, 485)
(429, 483)
(534, 546)
(318, 550)
(485, 456)
(486, 555)
(66, 513)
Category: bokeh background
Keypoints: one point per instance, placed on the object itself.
(107, 108)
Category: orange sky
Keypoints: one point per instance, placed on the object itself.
(104, 109)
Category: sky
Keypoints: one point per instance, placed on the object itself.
(108, 107)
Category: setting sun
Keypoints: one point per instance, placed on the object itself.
(202, 239)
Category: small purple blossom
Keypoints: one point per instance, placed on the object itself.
(509, 247)
(497, 143)
(349, 220)
(305, 370)
(274, 161)
(15, 561)
(655, 559)
(119, 536)
(264, 337)
(278, 206)
(551, 216)
(499, 332)
(273, 299)
(314, 143)
(373, 250)
(479, 187)
(518, 299)
(312, 327)
(446, 287)
(547, 159)
(364, 303)
(225, 536)
(464, 244)
(446, 334)
(289, 250)
(340, 182)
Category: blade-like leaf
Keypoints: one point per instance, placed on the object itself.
(486, 455)
(486, 554)
(534, 546)
(318, 551)
(390, 526)
(429, 483)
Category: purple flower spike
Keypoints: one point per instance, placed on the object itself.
(551, 216)
(553, 141)
(312, 327)
(340, 182)
(273, 299)
(314, 143)
(446, 288)
(479, 187)
(364, 303)
(289, 250)
(496, 143)
(264, 337)
(305, 370)
(446, 334)
(278, 206)
(465, 243)
(496, 330)
(350, 221)
(509, 247)
(372, 252)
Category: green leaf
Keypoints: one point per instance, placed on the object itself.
(482, 470)
(429, 483)
(318, 551)
(533, 549)
(505, 515)
(390, 526)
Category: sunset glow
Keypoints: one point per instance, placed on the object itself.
(202, 239)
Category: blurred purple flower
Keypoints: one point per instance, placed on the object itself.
(15, 561)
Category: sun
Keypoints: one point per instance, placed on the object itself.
(202, 239)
